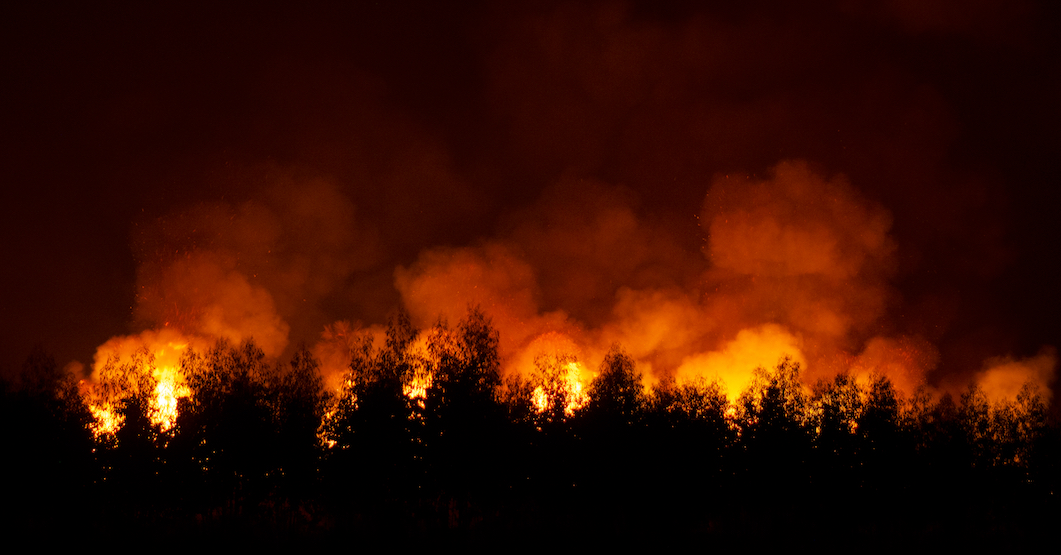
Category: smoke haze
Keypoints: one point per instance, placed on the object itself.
(860, 188)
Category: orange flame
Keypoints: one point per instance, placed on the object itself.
(570, 387)
(145, 365)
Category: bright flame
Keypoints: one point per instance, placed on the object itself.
(126, 364)
(164, 404)
(540, 399)
(107, 422)
(416, 388)
(734, 365)
(570, 386)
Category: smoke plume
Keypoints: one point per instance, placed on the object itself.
(794, 264)
(857, 187)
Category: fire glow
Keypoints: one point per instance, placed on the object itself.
(685, 271)
(145, 366)
(566, 388)
(795, 265)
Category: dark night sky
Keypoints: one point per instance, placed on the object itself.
(474, 126)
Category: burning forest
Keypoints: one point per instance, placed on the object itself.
(293, 273)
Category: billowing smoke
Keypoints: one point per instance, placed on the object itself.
(792, 264)
(1004, 377)
(445, 283)
(795, 264)
(804, 252)
(206, 294)
(564, 168)
(249, 270)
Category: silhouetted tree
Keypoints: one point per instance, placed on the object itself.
(687, 445)
(616, 394)
(776, 441)
(300, 404)
(837, 407)
(226, 430)
(978, 432)
(374, 468)
(775, 404)
(464, 419)
(692, 409)
(516, 396)
(941, 462)
(424, 438)
(135, 480)
(612, 436)
(552, 393)
(886, 447)
(1031, 429)
(134, 463)
(48, 459)
(881, 416)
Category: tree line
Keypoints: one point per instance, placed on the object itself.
(264, 451)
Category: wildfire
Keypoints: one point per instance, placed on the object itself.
(734, 363)
(106, 421)
(416, 388)
(566, 388)
(140, 366)
(164, 403)
(794, 264)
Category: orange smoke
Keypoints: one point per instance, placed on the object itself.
(796, 265)
(260, 268)
(208, 295)
(804, 252)
(257, 270)
(1003, 378)
(443, 283)
(904, 360)
(340, 343)
(793, 264)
